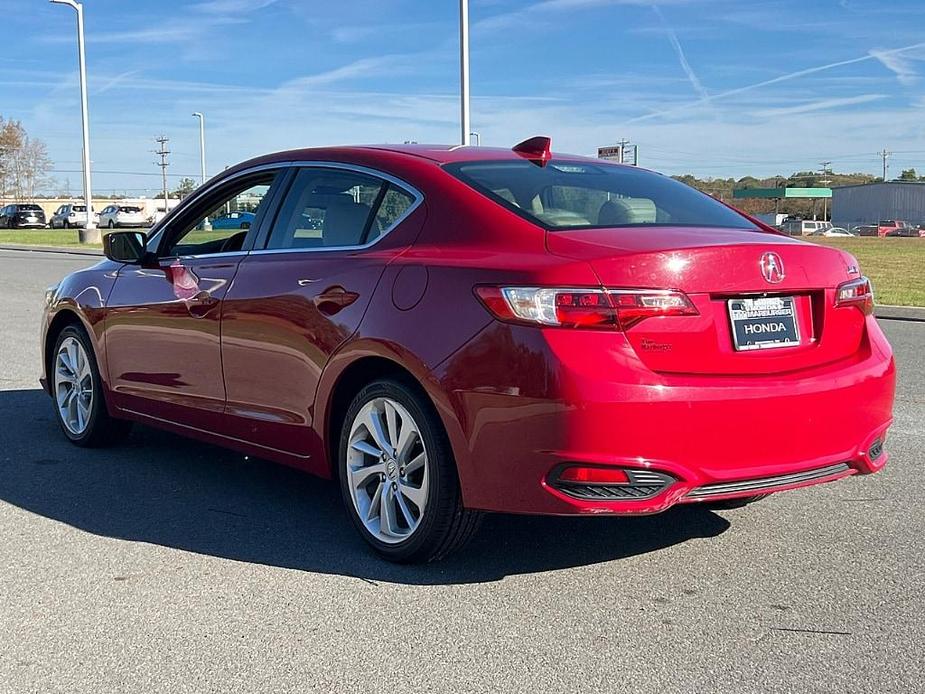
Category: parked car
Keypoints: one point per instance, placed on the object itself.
(866, 230)
(479, 330)
(885, 226)
(234, 220)
(22, 216)
(832, 232)
(804, 227)
(114, 216)
(71, 215)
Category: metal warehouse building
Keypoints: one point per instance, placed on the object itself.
(868, 203)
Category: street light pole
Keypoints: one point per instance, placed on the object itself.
(478, 138)
(464, 71)
(202, 146)
(89, 234)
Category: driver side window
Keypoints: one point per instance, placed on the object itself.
(220, 223)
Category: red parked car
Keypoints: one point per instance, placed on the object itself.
(452, 330)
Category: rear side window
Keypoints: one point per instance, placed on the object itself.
(334, 208)
(575, 195)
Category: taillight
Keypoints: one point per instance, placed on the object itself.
(857, 293)
(614, 309)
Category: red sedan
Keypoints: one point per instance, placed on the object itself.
(452, 330)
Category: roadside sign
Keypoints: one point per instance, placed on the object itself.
(615, 152)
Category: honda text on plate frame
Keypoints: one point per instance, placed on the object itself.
(449, 330)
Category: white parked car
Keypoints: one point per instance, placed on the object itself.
(837, 231)
(115, 216)
(70, 216)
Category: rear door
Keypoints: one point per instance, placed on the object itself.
(163, 322)
(296, 300)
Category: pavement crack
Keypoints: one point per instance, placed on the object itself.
(811, 631)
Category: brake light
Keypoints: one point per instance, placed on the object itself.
(614, 309)
(859, 293)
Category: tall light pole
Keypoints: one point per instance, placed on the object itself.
(464, 71)
(202, 146)
(89, 234)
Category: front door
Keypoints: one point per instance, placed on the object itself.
(163, 324)
(297, 300)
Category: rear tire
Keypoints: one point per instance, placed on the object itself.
(729, 504)
(77, 392)
(398, 476)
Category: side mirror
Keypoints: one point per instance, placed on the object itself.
(125, 246)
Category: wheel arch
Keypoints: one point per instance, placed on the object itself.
(64, 317)
(347, 374)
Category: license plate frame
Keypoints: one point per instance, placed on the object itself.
(775, 321)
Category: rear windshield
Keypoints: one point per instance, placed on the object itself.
(79, 208)
(578, 195)
(28, 207)
(130, 209)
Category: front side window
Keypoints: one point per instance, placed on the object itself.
(334, 208)
(220, 223)
(575, 195)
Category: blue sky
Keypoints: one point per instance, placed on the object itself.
(714, 87)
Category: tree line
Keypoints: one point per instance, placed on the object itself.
(24, 162)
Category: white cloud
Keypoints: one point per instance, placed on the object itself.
(901, 65)
(682, 58)
(818, 105)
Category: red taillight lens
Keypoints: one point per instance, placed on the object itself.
(593, 475)
(615, 309)
(857, 293)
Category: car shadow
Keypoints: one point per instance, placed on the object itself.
(169, 491)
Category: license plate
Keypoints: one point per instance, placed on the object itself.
(764, 323)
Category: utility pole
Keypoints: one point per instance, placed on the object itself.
(162, 153)
(885, 155)
(825, 181)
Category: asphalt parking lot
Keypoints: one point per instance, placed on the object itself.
(171, 566)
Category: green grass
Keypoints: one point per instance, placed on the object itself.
(895, 266)
(43, 237)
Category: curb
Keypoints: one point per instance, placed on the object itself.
(910, 313)
(64, 250)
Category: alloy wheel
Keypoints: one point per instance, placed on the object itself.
(388, 474)
(73, 386)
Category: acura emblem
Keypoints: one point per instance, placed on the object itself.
(772, 267)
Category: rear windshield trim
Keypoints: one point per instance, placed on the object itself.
(455, 170)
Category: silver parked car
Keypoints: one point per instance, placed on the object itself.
(71, 215)
(114, 216)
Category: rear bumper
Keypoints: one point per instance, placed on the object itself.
(714, 437)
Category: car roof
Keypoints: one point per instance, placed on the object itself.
(442, 154)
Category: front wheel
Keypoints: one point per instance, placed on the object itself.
(78, 393)
(398, 476)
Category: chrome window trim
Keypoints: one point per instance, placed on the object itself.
(408, 188)
(201, 192)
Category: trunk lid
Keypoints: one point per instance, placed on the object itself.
(713, 266)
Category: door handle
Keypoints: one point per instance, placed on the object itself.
(200, 304)
(333, 299)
